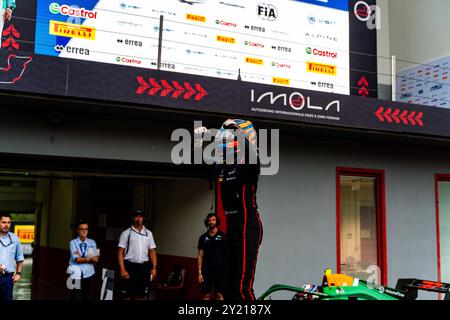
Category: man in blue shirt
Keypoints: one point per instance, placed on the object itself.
(6, 9)
(11, 258)
(83, 256)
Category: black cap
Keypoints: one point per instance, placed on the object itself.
(138, 212)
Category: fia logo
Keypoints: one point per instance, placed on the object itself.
(267, 12)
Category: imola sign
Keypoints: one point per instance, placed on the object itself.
(295, 100)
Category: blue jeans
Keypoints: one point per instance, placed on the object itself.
(6, 287)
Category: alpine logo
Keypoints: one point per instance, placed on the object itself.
(267, 12)
(321, 36)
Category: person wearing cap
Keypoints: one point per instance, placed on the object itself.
(137, 258)
(6, 9)
(11, 258)
(236, 173)
(83, 257)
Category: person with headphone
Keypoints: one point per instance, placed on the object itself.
(137, 259)
(210, 259)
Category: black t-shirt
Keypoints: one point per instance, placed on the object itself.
(213, 249)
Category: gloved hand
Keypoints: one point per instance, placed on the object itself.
(198, 136)
(8, 14)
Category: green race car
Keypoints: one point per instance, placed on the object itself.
(343, 287)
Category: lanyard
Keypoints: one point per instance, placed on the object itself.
(10, 242)
(83, 248)
(129, 235)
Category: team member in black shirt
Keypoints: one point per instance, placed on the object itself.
(210, 259)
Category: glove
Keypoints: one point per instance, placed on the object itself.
(198, 136)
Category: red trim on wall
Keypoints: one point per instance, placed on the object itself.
(220, 212)
(338, 221)
(53, 264)
(379, 175)
(439, 177)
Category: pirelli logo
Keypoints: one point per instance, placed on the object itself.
(321, 68)
(69, 30)
(196, 18)
(254, 61)
(226, 39)
(282, 81)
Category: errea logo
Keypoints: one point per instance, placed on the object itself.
(267, 12)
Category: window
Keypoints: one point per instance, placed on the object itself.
(361, 223)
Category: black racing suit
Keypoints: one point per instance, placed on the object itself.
(236, 185)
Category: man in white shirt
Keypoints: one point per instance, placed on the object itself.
(137, 249)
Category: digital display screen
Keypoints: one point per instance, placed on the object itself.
(299, 44)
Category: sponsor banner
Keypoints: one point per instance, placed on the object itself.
(427, 84)
(70, 30)
(196, 18)
(207, 94)
(167, 89)
(24, 233)
(321, 68)
(108, 31)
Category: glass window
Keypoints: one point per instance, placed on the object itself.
(358, 225)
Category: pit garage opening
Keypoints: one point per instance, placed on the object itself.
(46, 205)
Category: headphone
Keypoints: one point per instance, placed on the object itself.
(209, 216)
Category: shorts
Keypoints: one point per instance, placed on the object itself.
(139, 282)
(213, 281)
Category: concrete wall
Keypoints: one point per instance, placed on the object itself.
(384, 49)
(298, 209)
(180, 208)
(78, 136)
(298, 206)
(57, 198)
(42, 198)
(419, 30)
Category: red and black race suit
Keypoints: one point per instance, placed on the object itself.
(236, 185)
